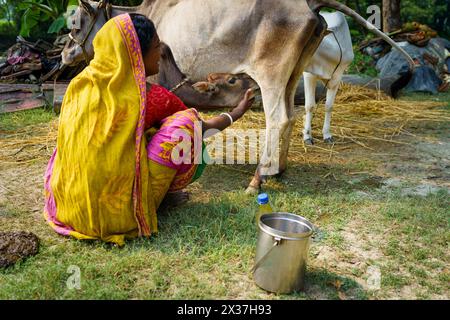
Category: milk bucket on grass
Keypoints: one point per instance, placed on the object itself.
(282, 252)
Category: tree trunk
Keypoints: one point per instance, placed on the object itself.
(391, 15)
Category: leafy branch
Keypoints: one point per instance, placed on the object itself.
(38, 11)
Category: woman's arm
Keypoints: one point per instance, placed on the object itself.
(223, 121)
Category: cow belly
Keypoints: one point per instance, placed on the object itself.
(216, 42)
(197, 64)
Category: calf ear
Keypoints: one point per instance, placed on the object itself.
(203, 87)
(213, 77)
(210, 77)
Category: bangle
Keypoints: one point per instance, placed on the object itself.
(229, 116)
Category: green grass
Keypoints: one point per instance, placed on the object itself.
(418, 236)
(205, 249)
(417, 96)
(16, 120)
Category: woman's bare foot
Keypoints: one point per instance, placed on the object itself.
(174, 199)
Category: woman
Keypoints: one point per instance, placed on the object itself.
(103, 180)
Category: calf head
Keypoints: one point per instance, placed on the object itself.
(226, 89)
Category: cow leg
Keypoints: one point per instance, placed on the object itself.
(278, 91)
(280, 121)
(286, 137)
(331, 96)
(310, 104)
(312, 41)
(290, 103)
(277, 121)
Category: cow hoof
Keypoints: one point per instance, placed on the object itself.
(309, 142)
(329, 140)
(252, 190)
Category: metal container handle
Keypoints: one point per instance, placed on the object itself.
(276, 243)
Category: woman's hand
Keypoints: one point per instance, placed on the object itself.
(221, 122)
(244, 105)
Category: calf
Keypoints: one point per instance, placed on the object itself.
(219, 91)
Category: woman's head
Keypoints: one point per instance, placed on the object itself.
(150, 43)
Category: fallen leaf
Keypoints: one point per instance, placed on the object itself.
(337, 284)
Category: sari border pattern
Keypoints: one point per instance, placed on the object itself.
(126, 27)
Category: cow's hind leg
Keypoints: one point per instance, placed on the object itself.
(311, 41)
(278, 88)
(277, 122)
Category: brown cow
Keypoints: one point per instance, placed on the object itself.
(271, 41)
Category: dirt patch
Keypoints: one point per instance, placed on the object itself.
(242, 287)
(360, 252)
(418, 166)
(422, 190)
(424, 163)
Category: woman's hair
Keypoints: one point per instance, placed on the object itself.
(145, 30)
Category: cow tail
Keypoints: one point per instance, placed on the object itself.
(316, 5)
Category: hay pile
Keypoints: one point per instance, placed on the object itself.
(361, 118)
(28, 144)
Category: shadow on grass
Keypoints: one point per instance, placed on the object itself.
(226, 219)
(312, 179)
(203, 228)
(321, 284)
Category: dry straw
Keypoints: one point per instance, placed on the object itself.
(28, 144)
(362, 118)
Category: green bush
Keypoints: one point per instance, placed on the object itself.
(36, 12)
(8, 34)
(362, 64)
(7, 27)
